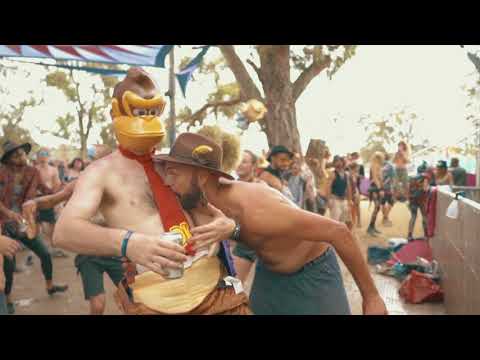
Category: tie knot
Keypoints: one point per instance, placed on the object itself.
(142, 159)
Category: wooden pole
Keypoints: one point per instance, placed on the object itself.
(171, 93)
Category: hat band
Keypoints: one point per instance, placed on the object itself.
(196, 159)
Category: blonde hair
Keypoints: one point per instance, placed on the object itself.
(230, 145)
(377, 158)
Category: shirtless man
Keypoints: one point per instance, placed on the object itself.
(322, 180)
(286, 239)
(280, 160)
(20, 182)
(91, 268)
(50, 178)
(244, 257)
(127, 191)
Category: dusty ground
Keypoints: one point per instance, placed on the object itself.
(387, 286)
(30, 284)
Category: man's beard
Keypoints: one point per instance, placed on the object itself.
(191, 199)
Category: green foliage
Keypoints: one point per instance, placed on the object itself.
(60, 80)
(334, 55)
(91, 103)
(108, 136)
(65, 124)
(11, 118)
(388, 130)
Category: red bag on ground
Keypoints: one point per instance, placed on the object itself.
(418, 288)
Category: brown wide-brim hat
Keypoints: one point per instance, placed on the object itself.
(9, 147)
(198, 151)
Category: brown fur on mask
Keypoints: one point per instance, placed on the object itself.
(137, 81)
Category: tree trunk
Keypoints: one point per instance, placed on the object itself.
(83, 147)
(281, 124)
(281, 120)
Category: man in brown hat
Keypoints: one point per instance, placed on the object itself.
(138, 209)
(19, 183)
(287, 240)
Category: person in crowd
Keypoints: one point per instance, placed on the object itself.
(459, 173)
(296, 183)
(401, 161)
(355, 159)
(49, 176)
(442, 175)
(90, 268)
(74, 169)
(387, 201)
(310, 188)
(375, 191)
(417, 199)
(20, 182)
(354, 185)
(322, 177)
(280, 159)
(247, 169)
(340, 193)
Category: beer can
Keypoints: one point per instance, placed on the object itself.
(22, 226)
(176, 238)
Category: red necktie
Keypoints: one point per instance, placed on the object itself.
(168, 205)
(170, 210)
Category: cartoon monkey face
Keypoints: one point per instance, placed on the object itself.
(136, 109)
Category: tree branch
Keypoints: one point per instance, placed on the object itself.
(215, 105)
(247, 86)
(256, 68)
(306, 77)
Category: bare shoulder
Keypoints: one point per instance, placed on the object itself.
(53, 170)
(258, 194)
(265, 176)
(97, 172)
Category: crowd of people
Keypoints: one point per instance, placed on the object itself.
(23, 179)
(337, 184)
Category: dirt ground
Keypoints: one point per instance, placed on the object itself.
(29, 286)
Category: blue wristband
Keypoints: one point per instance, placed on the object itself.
(125, 242)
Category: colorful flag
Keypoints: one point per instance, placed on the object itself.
(185, 74)
(137, 55)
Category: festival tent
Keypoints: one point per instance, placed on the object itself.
(135, 55)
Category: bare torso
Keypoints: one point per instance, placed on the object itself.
(49, 176)
(128, 202)
(286, 253)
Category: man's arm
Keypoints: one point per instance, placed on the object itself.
(50, 201)
(315, 228)
(6, 212)
(30, 207)
(56, 183)
(33, 186)
(75, 232)
(271, 180)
